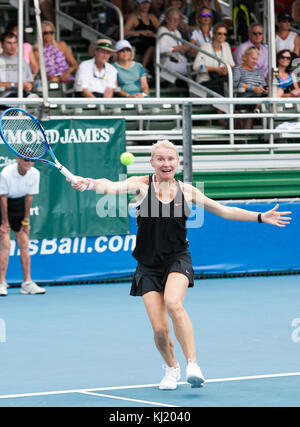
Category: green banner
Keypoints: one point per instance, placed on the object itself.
(88, 148)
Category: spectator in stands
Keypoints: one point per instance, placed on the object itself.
(172, 52)
(287, 81)
(216, 71)
(203, 30)
(251, 83)
(256, 35)
(215, 9)
(59, 60)
(183, 26)
(132, 77)
(285, 38)
(140, 30)
(9, 69)
(28, 54)
(96, 78)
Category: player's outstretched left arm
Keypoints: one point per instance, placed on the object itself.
(272, 216)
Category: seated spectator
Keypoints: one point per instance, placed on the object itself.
(285, 38)
(28, 54)
(215, 8)
(172, 52)
(216, 71)
(183, 26)
(252, 82)
(287, 82)
(96, 78)
(9, 69)
(140, 30)
(59, 60)
(256, 35)
(203, 30)
(132, 77)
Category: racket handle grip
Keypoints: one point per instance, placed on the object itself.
(67, 174)
(65, 171)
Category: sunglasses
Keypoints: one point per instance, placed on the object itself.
(28, 160)
(47, 32)
(206, 15)
(286, 57)
(257, 33)
(126, 49)
(221, 34)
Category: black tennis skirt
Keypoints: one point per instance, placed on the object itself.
(16, 212)
(147, 279)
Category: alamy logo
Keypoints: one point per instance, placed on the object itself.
(296, 332)
(112, 206)
(2, 331)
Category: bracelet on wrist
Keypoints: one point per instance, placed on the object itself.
(251, 88)
(259, 219)
(91, 184)
(25, 223)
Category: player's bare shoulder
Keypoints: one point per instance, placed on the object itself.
(191, 193)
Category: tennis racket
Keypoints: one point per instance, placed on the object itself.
(25, 136)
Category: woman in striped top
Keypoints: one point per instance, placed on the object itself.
(248, 77)
(251, 81)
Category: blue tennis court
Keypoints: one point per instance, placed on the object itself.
(91, 345)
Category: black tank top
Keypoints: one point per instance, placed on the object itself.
(162, 229)
(142, 26)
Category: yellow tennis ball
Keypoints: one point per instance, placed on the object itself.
(127, 158)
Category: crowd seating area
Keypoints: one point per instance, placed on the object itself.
(139, 118)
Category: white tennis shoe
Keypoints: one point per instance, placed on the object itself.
(31, 288)
(194, 375)
(3, 289)
(172, 375)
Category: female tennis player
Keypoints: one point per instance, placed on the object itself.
(164, 270)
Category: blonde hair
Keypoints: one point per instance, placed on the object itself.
(172, 11)
(132, 56)
(163, 143)
(249, 51)
(47, 24)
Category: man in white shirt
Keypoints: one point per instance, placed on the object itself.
(96, 78)
(9, 69)
(19, 182)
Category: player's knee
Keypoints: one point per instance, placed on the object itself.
(174, 308)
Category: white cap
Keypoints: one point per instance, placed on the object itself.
(121, 44)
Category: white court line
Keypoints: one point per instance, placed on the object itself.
(128, 399)
(86, 390)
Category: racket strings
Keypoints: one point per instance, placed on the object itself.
(23, 134)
